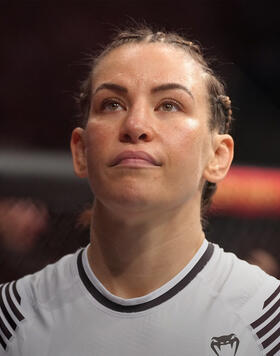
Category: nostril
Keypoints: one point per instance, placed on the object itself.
(126, 138)
(143, 136)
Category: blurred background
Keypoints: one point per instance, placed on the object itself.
(43, 47)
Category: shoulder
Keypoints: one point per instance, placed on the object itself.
(250, 293)
(42, 287)
(22, 301)
(236, 280)
(239, 278)
(238, 284)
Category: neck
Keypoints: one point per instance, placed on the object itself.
(133, 257)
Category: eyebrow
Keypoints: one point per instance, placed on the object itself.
(111, 86)
(163, 87)
(172, 86)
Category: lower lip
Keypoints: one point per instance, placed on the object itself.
(135, 162)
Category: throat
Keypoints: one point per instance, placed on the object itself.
(136, 275)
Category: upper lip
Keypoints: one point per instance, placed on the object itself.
(135, 154)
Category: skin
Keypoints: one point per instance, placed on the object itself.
(265, 261)
(146, 219)
(21, 222)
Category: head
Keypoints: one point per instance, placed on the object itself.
(266, 261)
(169, 58)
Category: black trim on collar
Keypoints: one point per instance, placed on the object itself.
(152, 303)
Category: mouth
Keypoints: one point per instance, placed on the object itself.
(135, 159)
(134, 162)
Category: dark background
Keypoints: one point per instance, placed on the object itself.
(43, 44)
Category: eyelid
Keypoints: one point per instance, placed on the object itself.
(110, 101)
(171, 101)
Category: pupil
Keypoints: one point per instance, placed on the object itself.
(114, 106)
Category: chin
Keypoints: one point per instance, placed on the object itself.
(130, 200)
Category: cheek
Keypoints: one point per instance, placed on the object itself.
(99, 137)
(184, 165)
(187, 155)
(185, 140)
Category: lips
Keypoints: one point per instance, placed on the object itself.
(135, 155)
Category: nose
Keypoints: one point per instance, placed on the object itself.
(137, 126)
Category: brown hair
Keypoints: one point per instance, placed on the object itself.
(220, 104)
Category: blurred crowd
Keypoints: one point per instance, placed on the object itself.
(21, 223)
(31, 237)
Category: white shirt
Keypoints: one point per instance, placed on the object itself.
(217, 305)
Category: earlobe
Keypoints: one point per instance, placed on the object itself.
(78, 152)
(219, 164)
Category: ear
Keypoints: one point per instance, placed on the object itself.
(79, 152)
(221, 159)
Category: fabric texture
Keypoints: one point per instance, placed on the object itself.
(217, 305)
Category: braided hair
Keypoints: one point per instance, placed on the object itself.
(219, 103)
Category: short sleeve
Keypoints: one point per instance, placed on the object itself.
(263, 313)
(11, 317)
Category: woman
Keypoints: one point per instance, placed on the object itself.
(153, 146)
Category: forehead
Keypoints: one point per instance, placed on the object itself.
(150, 64)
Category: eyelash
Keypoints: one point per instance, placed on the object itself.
(110, 102)
(170, 102)
(113, 101)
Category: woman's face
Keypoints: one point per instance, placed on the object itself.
(148, 99)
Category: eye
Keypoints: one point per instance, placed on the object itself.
(169, 106)
(111, 105)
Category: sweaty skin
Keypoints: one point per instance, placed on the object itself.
(146, 218)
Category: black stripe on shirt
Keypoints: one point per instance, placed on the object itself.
(12, 305)
(266, 315)
(10, 291)
(3, 326)
(152, 303)
(5, 311)
(2, 342)
(273, 296)
(273, 351)
(267, 328)
(271, 338)
(4, 329)
(18, 298)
